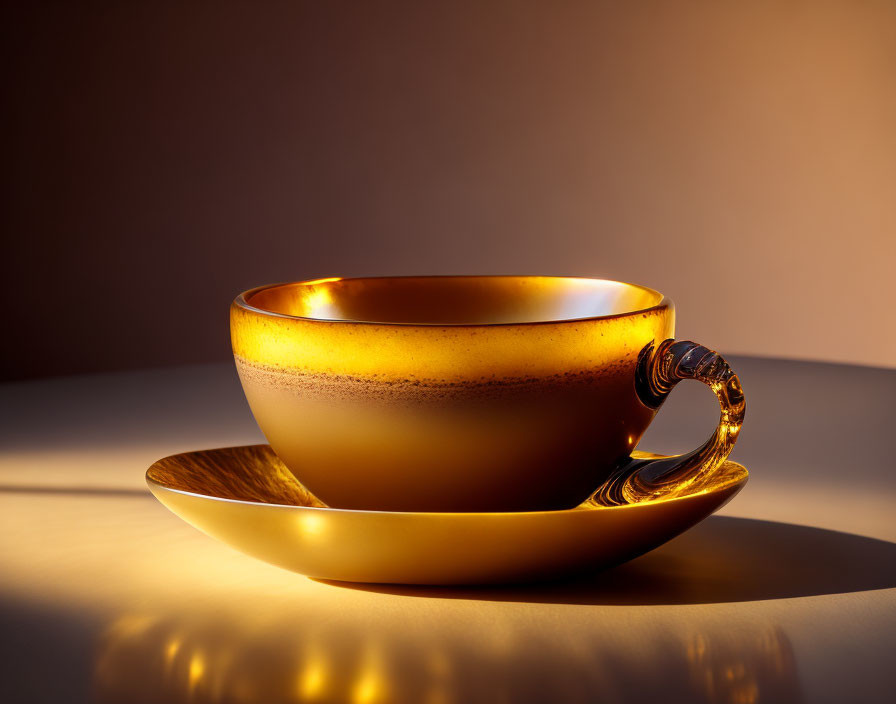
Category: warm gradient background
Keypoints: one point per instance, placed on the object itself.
(740, 157)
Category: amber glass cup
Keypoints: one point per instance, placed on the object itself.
(472, 393)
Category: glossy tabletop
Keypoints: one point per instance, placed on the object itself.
(789, 595)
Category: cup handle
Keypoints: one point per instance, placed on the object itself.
(658, 370)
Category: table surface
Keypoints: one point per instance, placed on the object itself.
(789, 594)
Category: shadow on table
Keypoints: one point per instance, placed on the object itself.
(220, 645)
(721, 560)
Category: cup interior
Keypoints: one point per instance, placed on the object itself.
(453, 300)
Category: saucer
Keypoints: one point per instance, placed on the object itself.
(246, 498)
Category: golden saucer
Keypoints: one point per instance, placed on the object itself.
(245, 497)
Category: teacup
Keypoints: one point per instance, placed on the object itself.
(471, 393)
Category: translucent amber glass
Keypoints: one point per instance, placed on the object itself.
(448, 393)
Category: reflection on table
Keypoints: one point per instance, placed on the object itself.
(216, 655)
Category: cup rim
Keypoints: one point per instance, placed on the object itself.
(241, 301)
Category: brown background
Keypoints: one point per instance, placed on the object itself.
(740, 157)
